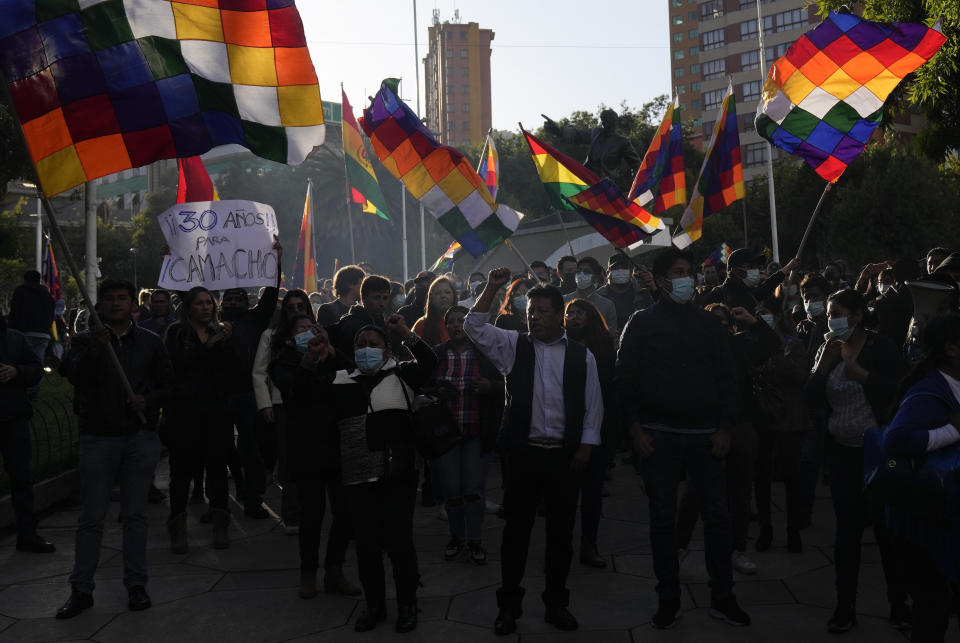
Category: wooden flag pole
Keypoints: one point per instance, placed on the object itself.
(71, 262)
(813, 217)
(566, 232)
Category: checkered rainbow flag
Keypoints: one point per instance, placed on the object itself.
(107, 85)
(824, 98)
(660, 182)
(440, 177)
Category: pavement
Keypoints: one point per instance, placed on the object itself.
(248, 593)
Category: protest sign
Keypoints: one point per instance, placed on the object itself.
(219, 245)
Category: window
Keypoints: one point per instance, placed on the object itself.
(748, 30)
(790, 19)
(694, 87)
(711, 39)
(767, 24)
(676, 3)
(683, 107)
(695, 68)
(694, 51)
(465, 125)
(681, 89)
(679, 72)
(748, 122)
(463, 53)
(451, 126)
(695, 103)
(751, 90)
(708, 128)
(713, 98)
(711, 9)
(750, 60)
(451, 107)
(679, 54)
(776, 51)
(755, 153)
(693, 33)
(692, 16)
(678, 20)
(466, 107)
(714, 69)
(678, 37)
(463, 34)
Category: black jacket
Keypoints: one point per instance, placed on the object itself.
(16, 352)
(247, 328)
(491, 404)
(313, 442)
(31, 309)
(99, 396)
(205, 377)
(675, 367)
(343, 332)
(734, 293)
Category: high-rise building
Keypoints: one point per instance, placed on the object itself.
(713, 41)
(457, 75)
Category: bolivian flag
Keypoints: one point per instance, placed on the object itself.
(364, 188)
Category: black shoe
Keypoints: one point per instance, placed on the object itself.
(155, 496)
(35, 544)
(453, 550)
(506, 622)
(561, 618)
(901, 617)
(206, 517)
(406, 618)
(369, 619)
(728, 610)
(476, 552)
(256, 510)
(668, 611)
(765, 539)
(77, 602)
(843, 620)
(139, 600)
(794, 543)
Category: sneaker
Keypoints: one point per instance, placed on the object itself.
(453, 549)
(668, 611)
(843, 620)
(901, 617)
(727, 609)
(743, 564)
(478, 555)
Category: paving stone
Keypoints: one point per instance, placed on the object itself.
(748, 592)
(426, 632)
(41, 630)
(817, 588)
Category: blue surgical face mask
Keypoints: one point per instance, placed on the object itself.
(620, 276)
(815, 309)
(584, 280)
(520, 303)
(768, 320)
(682, 290)
(369, 360)
(840, 327)
(303, 339)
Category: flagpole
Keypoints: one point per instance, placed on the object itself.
(346, 183)
(423, 241)
(403, 219)
(526, 263)
(771, 190)
(566, 232)
(39, 236)
(813, 217)
(746, 243)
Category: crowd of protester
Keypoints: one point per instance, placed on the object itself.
(717, 381)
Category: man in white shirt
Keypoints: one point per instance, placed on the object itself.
(552, 421)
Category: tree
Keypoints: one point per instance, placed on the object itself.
(934, 89)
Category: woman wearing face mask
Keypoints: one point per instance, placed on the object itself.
(585, 324)
(430, 328)
(197, 428)
(781, 425)
(926, 423)
(312, 450)
(513, 312)
(377, 458)
(855, 379)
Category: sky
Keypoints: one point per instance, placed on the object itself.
(550, 58)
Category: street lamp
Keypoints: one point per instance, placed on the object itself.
(133, 251)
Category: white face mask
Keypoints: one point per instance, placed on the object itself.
(682, 290)
(620, 276)
(752, 278)
(840, 328)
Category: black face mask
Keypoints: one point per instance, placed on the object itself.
(577, 334)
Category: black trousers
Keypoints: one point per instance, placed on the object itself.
(313, 493)
(932, 594)
(780, 451)
(200, 445)
(533, 475)
(383, 522)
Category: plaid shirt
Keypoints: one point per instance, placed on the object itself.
(461, 369)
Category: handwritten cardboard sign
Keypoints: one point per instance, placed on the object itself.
(219, 245)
